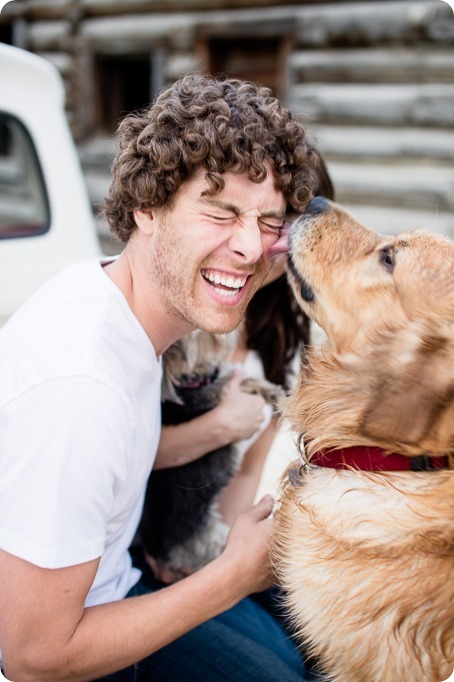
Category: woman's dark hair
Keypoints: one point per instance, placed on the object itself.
(204, 123)
(275, 326)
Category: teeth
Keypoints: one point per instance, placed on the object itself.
(226, 293)
(226, 280)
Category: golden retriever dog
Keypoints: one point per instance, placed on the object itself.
(365, 534)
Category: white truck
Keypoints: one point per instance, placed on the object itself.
(46, 220)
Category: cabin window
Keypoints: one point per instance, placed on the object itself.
(261, 60)
(121, 84)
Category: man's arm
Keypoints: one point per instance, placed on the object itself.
(46, 633)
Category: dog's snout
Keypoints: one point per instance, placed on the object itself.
(317, 205)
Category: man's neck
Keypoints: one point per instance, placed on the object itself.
(144, 302)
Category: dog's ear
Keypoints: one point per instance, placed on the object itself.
(415, 387)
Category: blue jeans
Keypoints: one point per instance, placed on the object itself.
(242, 644)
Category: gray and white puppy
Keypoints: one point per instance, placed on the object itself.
(181, 526)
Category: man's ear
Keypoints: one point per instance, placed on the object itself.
(144, 221)
(415, 385)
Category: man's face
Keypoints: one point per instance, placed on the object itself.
(209, 254)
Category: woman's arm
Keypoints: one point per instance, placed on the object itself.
(238, 416)
(240, 493)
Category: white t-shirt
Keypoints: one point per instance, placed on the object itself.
(79, 428)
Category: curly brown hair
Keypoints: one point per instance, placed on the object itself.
(204, 122)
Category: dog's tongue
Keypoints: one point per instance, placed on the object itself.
(281, 246)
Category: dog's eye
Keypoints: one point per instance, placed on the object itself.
(387, 258)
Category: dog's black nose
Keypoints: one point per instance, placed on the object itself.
(317, 205)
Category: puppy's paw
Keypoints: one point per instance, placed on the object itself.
(272, 393)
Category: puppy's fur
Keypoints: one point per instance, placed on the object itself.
(367, 558)
(181, 526)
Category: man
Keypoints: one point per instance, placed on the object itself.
(201, 185)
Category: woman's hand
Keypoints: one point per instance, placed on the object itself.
(239, 414)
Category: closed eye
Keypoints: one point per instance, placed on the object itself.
(387, 258)
(223, 218)
(265, 225)
(272, 226)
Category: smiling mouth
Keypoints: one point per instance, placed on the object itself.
(224, 284)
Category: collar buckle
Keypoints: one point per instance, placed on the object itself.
(421, 463)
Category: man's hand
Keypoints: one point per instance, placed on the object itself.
(247, 542)
(248, 547)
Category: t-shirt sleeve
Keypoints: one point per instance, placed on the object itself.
(63, 452)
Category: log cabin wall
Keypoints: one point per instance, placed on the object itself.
(375, 79)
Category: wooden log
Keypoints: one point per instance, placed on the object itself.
(374, 22)
(402, 104)
(359, 143)
(374, 65)
(44, 36)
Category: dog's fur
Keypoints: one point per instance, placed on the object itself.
(367, 558)
(181, 527)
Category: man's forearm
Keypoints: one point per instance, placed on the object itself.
(113, 636)
(46, 634)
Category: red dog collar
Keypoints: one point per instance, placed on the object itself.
(376, 459)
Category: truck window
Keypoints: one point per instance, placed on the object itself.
(24, 209)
